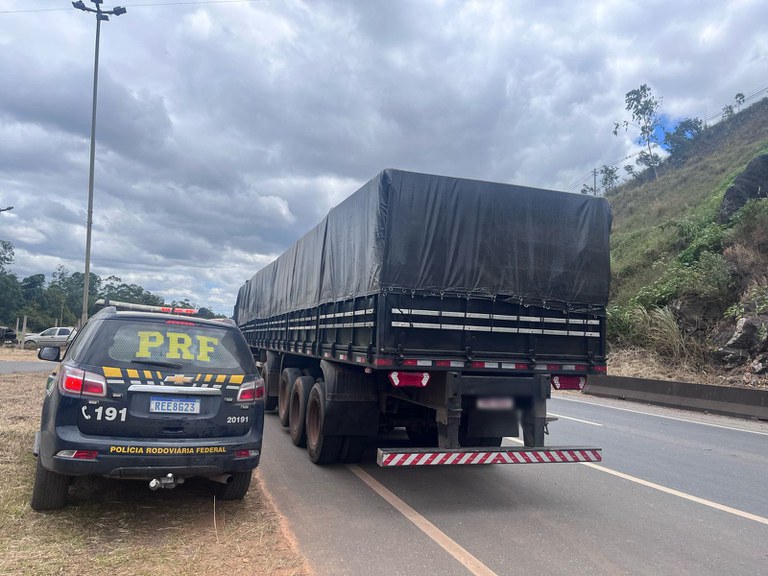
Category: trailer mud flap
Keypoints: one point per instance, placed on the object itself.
(399, 457)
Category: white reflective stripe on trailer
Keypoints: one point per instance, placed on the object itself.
(392, 457)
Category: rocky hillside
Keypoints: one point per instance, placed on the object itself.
(690, 252)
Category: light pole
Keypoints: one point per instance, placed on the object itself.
(100, 15)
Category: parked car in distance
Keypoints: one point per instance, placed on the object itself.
(146, 395)
(56, 336)
(7, 335)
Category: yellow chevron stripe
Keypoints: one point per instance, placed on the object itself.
(112, 372)
(236, 379)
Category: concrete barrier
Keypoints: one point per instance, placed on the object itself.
(727, 400)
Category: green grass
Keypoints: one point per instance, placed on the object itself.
(660, 223)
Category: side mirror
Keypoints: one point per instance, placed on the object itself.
(51, 353)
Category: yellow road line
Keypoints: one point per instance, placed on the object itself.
(443, 540)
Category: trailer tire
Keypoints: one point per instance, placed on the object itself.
(270, 402)
(352, 449)
(322, 449)
(287, 378)
(297, 410)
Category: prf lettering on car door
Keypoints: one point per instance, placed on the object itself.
(178, 345)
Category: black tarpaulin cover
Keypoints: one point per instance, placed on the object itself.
(418, 232)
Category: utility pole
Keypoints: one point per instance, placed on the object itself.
(594, 174)
(100, 15)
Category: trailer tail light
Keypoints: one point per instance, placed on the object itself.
(383, 362)
(600, 369)
(563, 382)
(77, 381)
(409, 379)
(251, 391)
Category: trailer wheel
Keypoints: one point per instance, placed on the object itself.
(297, 410)
(322, 449)
(270, 402)
(352, 449)
(287, 378)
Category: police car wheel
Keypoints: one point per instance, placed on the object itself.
(236, 488)
(50, 489)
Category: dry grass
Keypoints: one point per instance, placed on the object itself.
(637, 363)
(123, 527)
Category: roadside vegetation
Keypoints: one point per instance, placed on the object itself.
(685, 279)
(121, 527)
(58, 301)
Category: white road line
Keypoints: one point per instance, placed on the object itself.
(460, 554)
(665, 416)
(672, 491)
(574, 419)
(679, 494)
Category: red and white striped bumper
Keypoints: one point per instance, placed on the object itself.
(466, 456)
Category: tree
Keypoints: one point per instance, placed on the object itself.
(727, 111)
(72, 287)
(679, 141)
(587, 189)
(6, 254)
(609, 178)
(739, 101)
(630, 170)
(207, 313)
(11, 298)
(645, 116)
(115, 289)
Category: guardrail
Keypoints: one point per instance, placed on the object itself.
(727, 400)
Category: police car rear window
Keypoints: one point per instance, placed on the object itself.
(173, 343)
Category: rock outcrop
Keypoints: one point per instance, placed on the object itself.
(751, 184)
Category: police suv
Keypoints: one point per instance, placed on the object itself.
(145, 392)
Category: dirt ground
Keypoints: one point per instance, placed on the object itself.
(123, 527)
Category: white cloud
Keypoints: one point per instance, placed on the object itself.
(226, 131)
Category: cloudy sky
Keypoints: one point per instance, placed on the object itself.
(226, 130)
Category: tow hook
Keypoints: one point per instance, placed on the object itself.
(167, 481)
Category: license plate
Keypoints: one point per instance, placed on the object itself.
(494, 403)
(167, 405)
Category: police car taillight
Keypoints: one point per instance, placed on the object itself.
(251, 391)
(78, 454)
(77, 381)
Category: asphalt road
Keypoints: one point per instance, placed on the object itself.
(677, 493)
(9, 367)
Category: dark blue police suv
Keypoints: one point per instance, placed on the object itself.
(144, 394)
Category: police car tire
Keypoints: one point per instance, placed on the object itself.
(236, 488)
(287, 378)
(298, 409)
(49, 491)
(322, 449)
